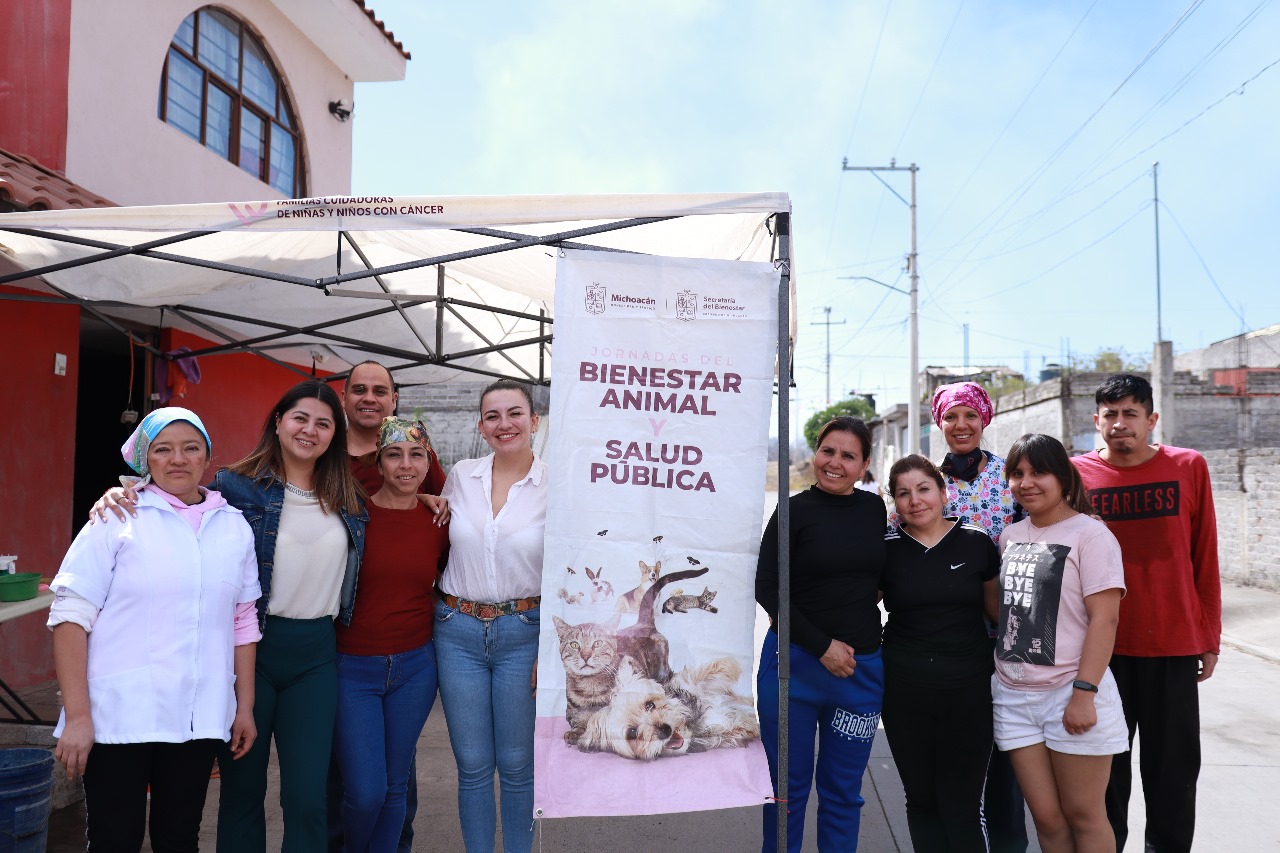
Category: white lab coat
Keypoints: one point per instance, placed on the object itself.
(161, 660)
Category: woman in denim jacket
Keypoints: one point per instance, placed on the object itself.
(297, 493)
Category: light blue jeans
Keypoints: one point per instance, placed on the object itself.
(383, 703)
(485, 671)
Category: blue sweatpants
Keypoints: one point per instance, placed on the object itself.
(845, 712)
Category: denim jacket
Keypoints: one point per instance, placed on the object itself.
(261, 501)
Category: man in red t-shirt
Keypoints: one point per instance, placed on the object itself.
(369, 396)
(1157, 501)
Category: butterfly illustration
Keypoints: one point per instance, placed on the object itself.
(657, 539)
(693, 562)
(603, 532)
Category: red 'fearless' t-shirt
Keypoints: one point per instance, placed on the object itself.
(1162, 514)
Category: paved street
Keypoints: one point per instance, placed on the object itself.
(1237, 808)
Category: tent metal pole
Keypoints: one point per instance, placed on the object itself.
(413, 300)
(213, 330)
(282, 331)
(784, 520)
(116, 250)
(514, 235)
(548, 240)
(542, 348)
(440, 308)
(482, 336)
(364, 259)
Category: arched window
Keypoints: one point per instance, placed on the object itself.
(220, 87)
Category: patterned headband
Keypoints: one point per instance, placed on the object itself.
(396, 429)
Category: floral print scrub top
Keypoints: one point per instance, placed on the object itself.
(985, 501)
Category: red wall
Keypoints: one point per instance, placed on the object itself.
(37, 455)
(235, 394)
(38, 443)
(35, 52)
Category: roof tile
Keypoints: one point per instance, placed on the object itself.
(377, 22)
(27, 184)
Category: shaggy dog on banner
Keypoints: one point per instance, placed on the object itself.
(695, 712)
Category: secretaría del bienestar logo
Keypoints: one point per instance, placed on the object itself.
(596, 296)
(686, 305)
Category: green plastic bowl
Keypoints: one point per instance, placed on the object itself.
(20, 586)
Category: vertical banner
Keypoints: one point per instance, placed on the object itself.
(662, 386)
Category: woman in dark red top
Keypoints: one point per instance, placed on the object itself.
(386, 663)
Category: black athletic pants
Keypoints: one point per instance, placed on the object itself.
(116, 780)
(1162, 703)
(1005, 807)
(941, 742)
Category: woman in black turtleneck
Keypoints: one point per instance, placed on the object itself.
(837, 681)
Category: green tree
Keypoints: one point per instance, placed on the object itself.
(856, 405)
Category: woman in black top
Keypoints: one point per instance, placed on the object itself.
(939, 577)
(837, 554)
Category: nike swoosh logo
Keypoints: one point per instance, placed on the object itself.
(956, 566)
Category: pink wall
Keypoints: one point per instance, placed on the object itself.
(118, 147)
(35, 40)
(37, 455)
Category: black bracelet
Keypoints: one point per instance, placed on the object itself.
(1085, 686)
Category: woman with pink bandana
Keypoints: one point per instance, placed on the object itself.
(154, 639)
(978, 493)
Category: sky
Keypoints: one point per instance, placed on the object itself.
(1034, 126)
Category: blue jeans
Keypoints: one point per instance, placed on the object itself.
(383, 703)
(485, 671)
(845, 712)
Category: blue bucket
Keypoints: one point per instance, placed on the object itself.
(26, 782)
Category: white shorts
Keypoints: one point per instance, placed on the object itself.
(1027, 717)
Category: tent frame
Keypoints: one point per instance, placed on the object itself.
(262, 344)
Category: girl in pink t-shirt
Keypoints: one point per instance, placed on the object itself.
(1057, 709)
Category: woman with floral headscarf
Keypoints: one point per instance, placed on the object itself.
(386, 659)
(978, 494)
(151, 618)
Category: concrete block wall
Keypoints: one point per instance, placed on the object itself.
(451, 411)
(1246, 497)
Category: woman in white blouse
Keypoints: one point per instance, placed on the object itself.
(486, 632)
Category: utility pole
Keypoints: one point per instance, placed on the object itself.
(826, 309)
(1162, 362)
(966, 350)
(913, 401)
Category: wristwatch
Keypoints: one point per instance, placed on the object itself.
(1085, 686)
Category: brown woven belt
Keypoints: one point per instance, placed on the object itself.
(488, 612)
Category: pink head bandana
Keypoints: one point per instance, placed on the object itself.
(969, 394)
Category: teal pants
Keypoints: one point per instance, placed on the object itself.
(297, 693)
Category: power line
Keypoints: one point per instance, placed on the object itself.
(1022, 189)
(1054, 233)
(1073, 255)
(857, 113)
(929, 78)
(1009, 123)
(1196, 68)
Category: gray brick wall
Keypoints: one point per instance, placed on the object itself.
(451, 411)
(1246, 497)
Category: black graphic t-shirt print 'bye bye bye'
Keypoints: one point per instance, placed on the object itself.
(1030, 592)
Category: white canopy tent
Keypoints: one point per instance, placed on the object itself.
(433, 286)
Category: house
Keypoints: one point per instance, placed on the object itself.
(134, 102)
